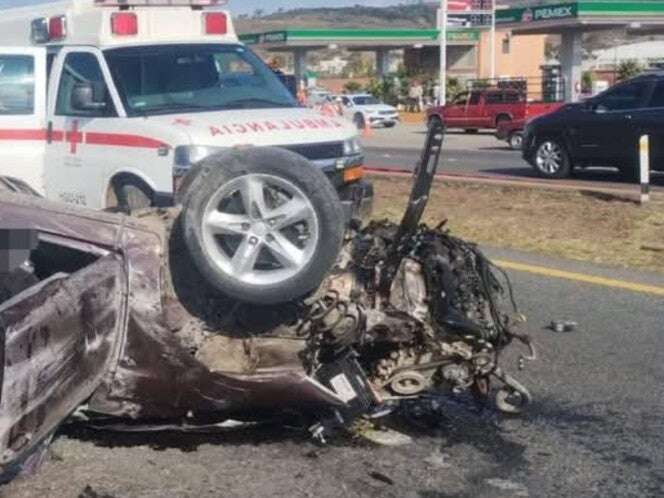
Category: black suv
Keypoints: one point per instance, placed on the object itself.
(602, 131)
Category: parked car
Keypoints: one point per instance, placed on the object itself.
(365, 109)
(488, 108)
(602, 131)
(317, 96)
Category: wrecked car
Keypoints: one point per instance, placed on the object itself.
(248, 302)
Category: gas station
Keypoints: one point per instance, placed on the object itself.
(380, 41)
(468, 49)
(572, 19)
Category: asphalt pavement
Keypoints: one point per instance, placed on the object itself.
(595, 428)
(479, 154)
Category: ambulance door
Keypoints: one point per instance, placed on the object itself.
(83, 111)
(23, 114)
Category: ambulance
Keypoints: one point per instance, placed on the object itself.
(108, 104)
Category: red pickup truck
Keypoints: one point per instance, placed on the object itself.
(488, 108)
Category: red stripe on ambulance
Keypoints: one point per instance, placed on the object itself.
(20, 134)
(123, 140)
(75, 138)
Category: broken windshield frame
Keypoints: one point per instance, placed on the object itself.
(172, 79)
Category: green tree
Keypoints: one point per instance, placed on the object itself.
(454, 88)
(628, 69)
(587, 80)
(352, 87)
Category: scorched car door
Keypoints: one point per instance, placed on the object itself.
(59, 338)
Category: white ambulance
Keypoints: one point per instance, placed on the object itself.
(106, 103)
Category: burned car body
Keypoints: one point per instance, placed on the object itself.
(118, 322)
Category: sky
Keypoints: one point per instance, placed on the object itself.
(249, 6)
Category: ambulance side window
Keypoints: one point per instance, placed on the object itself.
(17, 85)
(83, 67)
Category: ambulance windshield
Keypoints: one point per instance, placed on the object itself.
(171, 79)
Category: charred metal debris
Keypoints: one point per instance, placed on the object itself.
(420, 312)
(429, 321)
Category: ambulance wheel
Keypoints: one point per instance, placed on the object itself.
(129, 194)
(262, 225)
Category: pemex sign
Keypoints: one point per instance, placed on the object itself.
(537, 14)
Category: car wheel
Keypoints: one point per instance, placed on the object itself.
(390, 125)
(502, 119)
(359, 121)
(128, 195)
(263, 225)
(515, 140)
(471, 130)
(551, 159)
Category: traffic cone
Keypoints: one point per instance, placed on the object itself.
(367, 131)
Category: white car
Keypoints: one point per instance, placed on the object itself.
(317, 97)
(365, 109)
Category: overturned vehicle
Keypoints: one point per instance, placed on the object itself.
(249, 302)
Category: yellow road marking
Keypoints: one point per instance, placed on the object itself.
(581, 277)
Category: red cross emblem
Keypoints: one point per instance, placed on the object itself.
(74, 137)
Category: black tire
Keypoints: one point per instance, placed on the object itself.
(131, 194)
(359, 121)
(515, 140)
(563, 167)
(471, 130)
(216, 172)
(390, 125)
(502, 119)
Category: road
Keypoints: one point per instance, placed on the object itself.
(475, 154)
(596, 427)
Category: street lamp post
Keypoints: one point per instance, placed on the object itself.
(443, 52)
(492, 45)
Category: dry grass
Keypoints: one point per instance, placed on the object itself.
(585, 226)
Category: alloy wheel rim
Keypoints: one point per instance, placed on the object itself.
(549, 157)
(260, 229)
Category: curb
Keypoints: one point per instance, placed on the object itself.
(511, 182)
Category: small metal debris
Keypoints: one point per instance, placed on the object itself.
(381, 477)
(561, 326)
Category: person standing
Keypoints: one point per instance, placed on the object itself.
(416, 94)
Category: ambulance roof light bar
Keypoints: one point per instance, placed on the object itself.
(160, 3)
(44, 29)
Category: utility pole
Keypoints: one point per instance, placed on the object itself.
(443, 52)
(492, 45)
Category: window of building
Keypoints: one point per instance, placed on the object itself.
(507, 45)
